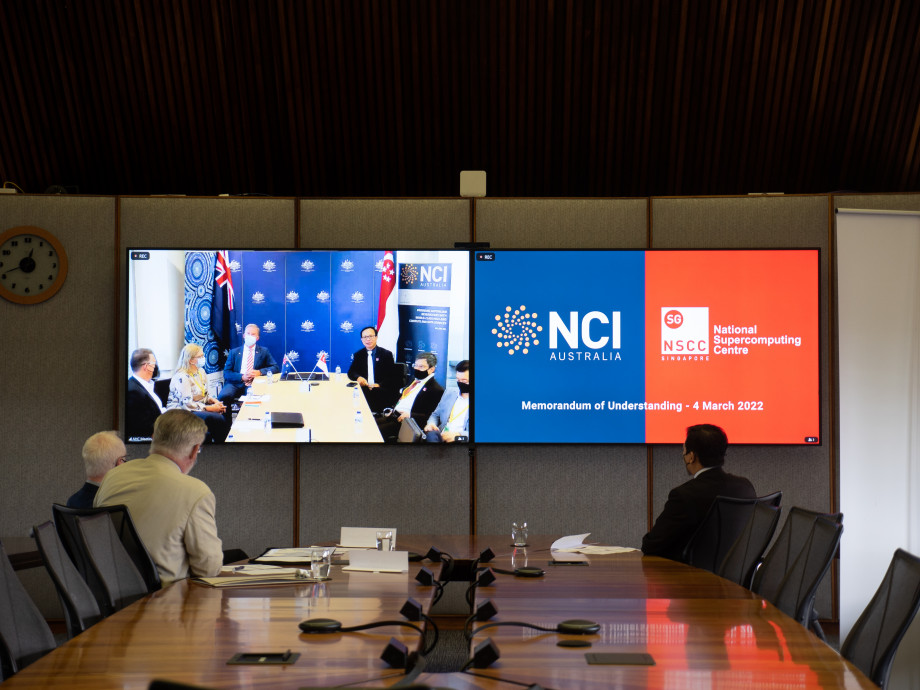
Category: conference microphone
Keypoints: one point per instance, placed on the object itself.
(525, 571)
(394, 654)
(573, 626)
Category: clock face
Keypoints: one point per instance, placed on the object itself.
(33, 265)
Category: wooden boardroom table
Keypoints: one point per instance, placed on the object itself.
(701, 631)
(328, 409)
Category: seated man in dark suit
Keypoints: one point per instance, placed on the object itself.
(101, 452)
(417, 400)
(687, 504)
(375, 371)
(142, 404)
(244, 364)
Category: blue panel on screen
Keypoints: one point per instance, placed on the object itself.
(558, 337)
(263, 297)
(307, 325)
(354, 301)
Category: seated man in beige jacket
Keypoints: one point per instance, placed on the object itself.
(173, 513)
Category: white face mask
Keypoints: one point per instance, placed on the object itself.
(200, 362)
(250, 340)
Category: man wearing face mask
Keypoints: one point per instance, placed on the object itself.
(244, 364)
(142, 404)
(450, 422)
(687, 504)
(417, 400)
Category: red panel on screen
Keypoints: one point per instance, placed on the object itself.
(732, 340)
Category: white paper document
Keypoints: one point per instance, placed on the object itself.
(379, 561)
(290, 555)
(573, 541)
(258, 569)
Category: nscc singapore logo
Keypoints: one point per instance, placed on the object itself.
(685, 332)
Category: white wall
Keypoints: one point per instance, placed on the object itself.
(878, 298)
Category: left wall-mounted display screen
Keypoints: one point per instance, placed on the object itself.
(335, 335)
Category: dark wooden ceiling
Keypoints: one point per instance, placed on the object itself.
(395, 97)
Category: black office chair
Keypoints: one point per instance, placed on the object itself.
(65, 522)
(744, 556)
(720, 529)
(797, 591)
(401, 374)
(779, 559)
(161, 388)
(24, 635)
(121, 580)
(874, 638)
(80, 608)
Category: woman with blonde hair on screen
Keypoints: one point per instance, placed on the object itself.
(188, 390)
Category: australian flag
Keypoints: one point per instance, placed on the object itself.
(222, 314)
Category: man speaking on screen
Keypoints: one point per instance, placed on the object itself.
(374, 369)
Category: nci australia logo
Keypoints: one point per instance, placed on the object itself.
(570, 336)
(425, 276)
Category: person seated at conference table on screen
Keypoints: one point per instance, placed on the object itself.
(244, 364)
(188, 390)
(374, 369)
(142, 404)
(450, 421)
(417, 400)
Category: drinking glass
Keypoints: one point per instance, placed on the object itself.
(320, 561)
(519, 558)
(519, 532)
(385, 541)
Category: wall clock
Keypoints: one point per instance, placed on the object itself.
(33, 265)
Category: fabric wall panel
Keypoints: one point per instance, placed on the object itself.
(562, 223)
(58, 365)
(591, 488)
(383, 223)
(417, 490)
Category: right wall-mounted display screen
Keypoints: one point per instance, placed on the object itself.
(631, 346)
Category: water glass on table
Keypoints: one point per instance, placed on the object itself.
(320, 561)
(519, 533)
(385, 541)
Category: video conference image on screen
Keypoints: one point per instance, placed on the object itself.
(298, 346)
(484, 346)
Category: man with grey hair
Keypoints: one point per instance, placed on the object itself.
(101, 452)
(173, 512)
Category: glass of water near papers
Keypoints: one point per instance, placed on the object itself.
(321, 561)
(385, 540)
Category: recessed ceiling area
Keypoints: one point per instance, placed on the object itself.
(396, 97)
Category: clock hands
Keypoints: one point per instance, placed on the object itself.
(26, 264)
